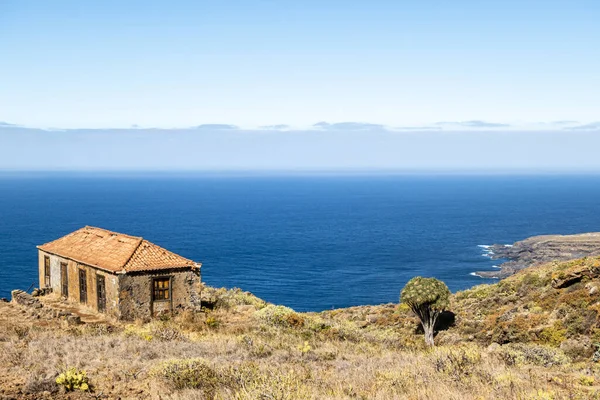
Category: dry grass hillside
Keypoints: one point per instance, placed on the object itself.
(531, 336)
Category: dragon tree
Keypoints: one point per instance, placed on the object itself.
(427, 298)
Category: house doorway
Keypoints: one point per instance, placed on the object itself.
(101, 291)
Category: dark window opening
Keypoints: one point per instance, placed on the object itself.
(64, 279)
(82, 286)
(46, 271)
(101, 291)
(161, 289)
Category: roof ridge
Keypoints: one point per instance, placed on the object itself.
(109, 231)
(67, 235)
(133, 252)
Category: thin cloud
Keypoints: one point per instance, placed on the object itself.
(563, 123)
(216, 127)
(474, 124)
(278, 127)
(7, 125)
(418, 128)
(348, 126)
(594, 126)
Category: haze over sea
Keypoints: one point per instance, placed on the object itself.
(310, 242)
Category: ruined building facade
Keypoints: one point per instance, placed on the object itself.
(124, 276)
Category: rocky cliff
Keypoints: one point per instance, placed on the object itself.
(538, 250)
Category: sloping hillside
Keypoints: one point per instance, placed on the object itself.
(530, 336)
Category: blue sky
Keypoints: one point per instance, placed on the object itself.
(84, 64)
(510, 85)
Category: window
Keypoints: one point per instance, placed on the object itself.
(161, 289)
(46, 271)
(64, 280)
(101, 292)
(82, 286)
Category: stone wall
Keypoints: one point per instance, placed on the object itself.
(37, 309)
(135, 296)
(25, 299)
(128, 296)
(111, 280)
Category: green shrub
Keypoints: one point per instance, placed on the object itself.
(521, 353)
(280, 316)
(554, 335)
(72, 379)
(143, 332)
(318, 324)
(533, 279)
(212, 322)
(585, 380)
(224, 298)
(456, 361)
(193, 373)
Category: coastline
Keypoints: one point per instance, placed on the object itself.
(537, 250)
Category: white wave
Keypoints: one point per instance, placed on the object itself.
(483, 277)
(487, 251)
(496, 266)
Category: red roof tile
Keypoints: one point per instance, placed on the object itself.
(115, 252)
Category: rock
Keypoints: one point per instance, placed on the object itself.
(538, 250)
(35, 293)
(372, 318)
(24, 299)
(593, 290)
(578, 350)
(494, 347)
(74, 320)
(575, 276)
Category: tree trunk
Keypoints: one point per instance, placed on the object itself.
(428, 328)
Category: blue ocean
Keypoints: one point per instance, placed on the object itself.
(310, 242)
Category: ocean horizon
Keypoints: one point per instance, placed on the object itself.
(308, 241)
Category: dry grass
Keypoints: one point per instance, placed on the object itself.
(236, 351)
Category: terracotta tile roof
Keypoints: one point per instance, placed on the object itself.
(115, 252)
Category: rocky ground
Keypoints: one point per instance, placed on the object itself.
(538, 250)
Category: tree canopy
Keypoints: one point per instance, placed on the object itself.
(427, 298)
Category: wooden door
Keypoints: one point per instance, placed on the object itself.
(64, 280)
(101, 291)
(82, 286)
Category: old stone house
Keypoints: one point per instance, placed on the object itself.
(124, 276)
